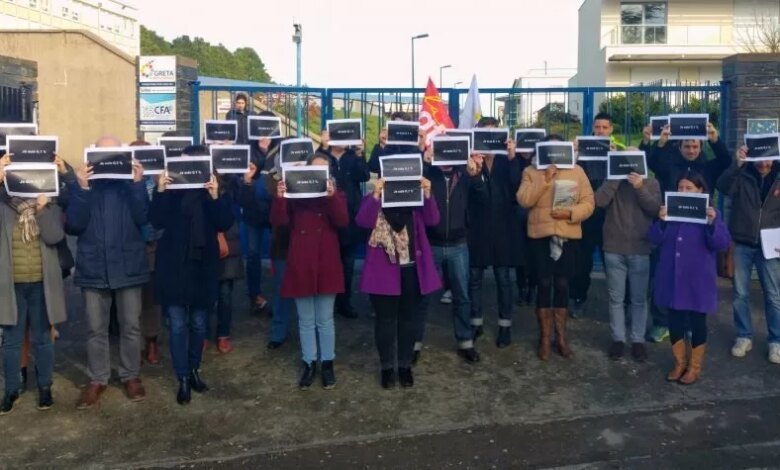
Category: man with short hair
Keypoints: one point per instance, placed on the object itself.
(108, 217)
(240, 113)
(754, 189)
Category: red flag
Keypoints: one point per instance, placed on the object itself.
(434, 116)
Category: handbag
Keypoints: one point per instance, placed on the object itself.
(224, 249)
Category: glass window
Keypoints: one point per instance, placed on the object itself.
(643, 22)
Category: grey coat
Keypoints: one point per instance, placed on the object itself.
(50, 224)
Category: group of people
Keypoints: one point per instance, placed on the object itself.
(151, 253)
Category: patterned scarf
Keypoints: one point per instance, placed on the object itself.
(396, 244)
(27, 221)
(556, 247)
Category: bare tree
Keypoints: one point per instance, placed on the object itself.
(763, 35)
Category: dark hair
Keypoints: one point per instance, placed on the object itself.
(139, 143)
(400, 115)
(196, 151)
(241, 96)
(696, 178)
(317, 155)
(267, 113)
(603, 117)
(552, 138)
(487, 121)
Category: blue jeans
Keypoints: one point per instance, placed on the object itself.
(315, 322)
(30, 306)
(769, 277)
(455, 259)
(224, 309)
(503, 290)
(635, 268)
(280, 321)
(254, 261)
(187, 331)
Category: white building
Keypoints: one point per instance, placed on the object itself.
(526, 105)
(628, 42)
(114, 21)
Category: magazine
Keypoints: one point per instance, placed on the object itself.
(565, 193)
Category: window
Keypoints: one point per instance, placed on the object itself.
(643, 23)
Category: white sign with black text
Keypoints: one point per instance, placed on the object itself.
(491, 141)
(593, 148)
(686, 207)
(526, 139)
(230, 159)
(305, 181)
(402, 193)
(29, 180)
(174, 146)
(450, 151)
(293, 151)
(407, 167)
(151, 157)
(560, 154)
(188, 172)
(32, 148)
(688, 126)
(623, 163)
(657, 124)
(264, 127)
(113, 163)
(403, 133)
(345, 132)
(218, 132)
(762, 147)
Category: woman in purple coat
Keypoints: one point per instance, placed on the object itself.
(685, 279)
(397, 272)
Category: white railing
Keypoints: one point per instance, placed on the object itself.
(676, 35)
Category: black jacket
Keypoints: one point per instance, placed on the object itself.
(350, 172)
(253, 199)
(243, 125)
(669, 165)
(452, 193)
(378, 151)
(755, 202)
(495, 234)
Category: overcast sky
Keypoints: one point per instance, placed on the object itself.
(366, 43)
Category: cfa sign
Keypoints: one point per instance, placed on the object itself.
(157, 111)
(157, 93)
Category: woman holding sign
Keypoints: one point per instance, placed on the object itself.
(559, 200)
(398, 270)
(685, 280)
(31, 288)
(313, 275)
(186, 267)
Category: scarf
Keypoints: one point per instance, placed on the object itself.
(387, 233)
(27, 221)
(192, 209)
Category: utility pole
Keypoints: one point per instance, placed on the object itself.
(298, 39)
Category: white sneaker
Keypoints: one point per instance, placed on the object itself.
(446, 298)
(741, 347)
(774, 353)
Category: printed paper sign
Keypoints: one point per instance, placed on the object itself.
(762, 147)
(491, 141)
(688, 126)
(402, 193)
(174, 146)
(526, 139)
(218, 132)
(115, 163)
(401, 167)
(591, 148)
(294, 151)
(29, 180)
(462, 133)
(623, 163)
(227, 159)
(264, 127)
(657, 124)
(17, 128)
(403, 133)
(560, 154)
(687, 207)
(32, 148)
(345, 132)
(450, 151)
(151, 157)
(188, 172)
(303, 182)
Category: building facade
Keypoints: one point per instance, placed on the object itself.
(631, 42)
(114, 21)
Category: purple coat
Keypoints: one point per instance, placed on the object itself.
(382, 277)
(686, 276)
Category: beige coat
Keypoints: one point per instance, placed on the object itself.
(536, 195)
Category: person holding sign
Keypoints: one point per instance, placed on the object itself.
(686, 278)
(398, 270)
(452, 187)
(754, 189)
(186, 267)
(559, 200)
(631, 206)
(350, 171)
(31, 289)
(239, 113)
(494, 236)
(382, 149)
(313, 274)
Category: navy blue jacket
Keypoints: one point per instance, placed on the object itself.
(350, 172)
(178, 279)
(108, 221)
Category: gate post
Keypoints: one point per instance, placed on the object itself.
(195, 118)
(587, 110)
(454, 106)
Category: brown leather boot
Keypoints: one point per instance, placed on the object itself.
(694, 368)
(544, 316)
(90, 396)
(560, 316)
(679, 353)
(152, 354)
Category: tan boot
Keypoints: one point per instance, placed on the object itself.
(544, 316)
(679, 353)
(694, 368)
(561, 316)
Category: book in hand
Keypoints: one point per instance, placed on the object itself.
(565, 194)
(623, 163)
(686, 207)
(174, 146)
(230, 159)
(264, 127)
(402, 193)
(403, 133)
(218, 132)
(114, 163)
(29, 180)
(151, 157)
(762, 147)
(188, 172)
(345, 132)
(305, 181)
(32, 148)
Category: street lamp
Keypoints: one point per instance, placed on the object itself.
(441, 82)
(419, 36)
(298, 39)
(455, 85)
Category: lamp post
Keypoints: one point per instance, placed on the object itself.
(419, 36)
(298, 39)
(441, 81)
(455, 85)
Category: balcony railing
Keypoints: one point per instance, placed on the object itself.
(670, 35)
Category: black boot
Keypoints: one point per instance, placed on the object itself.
(477, 331)
(415, 357)
(307, 376)
(469, 355)
(23, 377)
(504, 337)
(45, 399)
(328, 375)
(405, 377)
(388, 378)
(196, 383)
(185, 394)
(8, 403)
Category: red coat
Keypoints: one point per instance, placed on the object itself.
(314, 261)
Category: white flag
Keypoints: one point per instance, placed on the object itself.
(472, 112)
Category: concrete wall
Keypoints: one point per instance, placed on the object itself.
(754, 92)
(590, 57)
(86, 87)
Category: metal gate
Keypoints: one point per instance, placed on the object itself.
(16, 104)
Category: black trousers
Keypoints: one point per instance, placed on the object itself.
(591, 240)
(343, 301)
(395, 323)
(696, 321)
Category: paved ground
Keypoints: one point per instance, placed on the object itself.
(509, 411)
